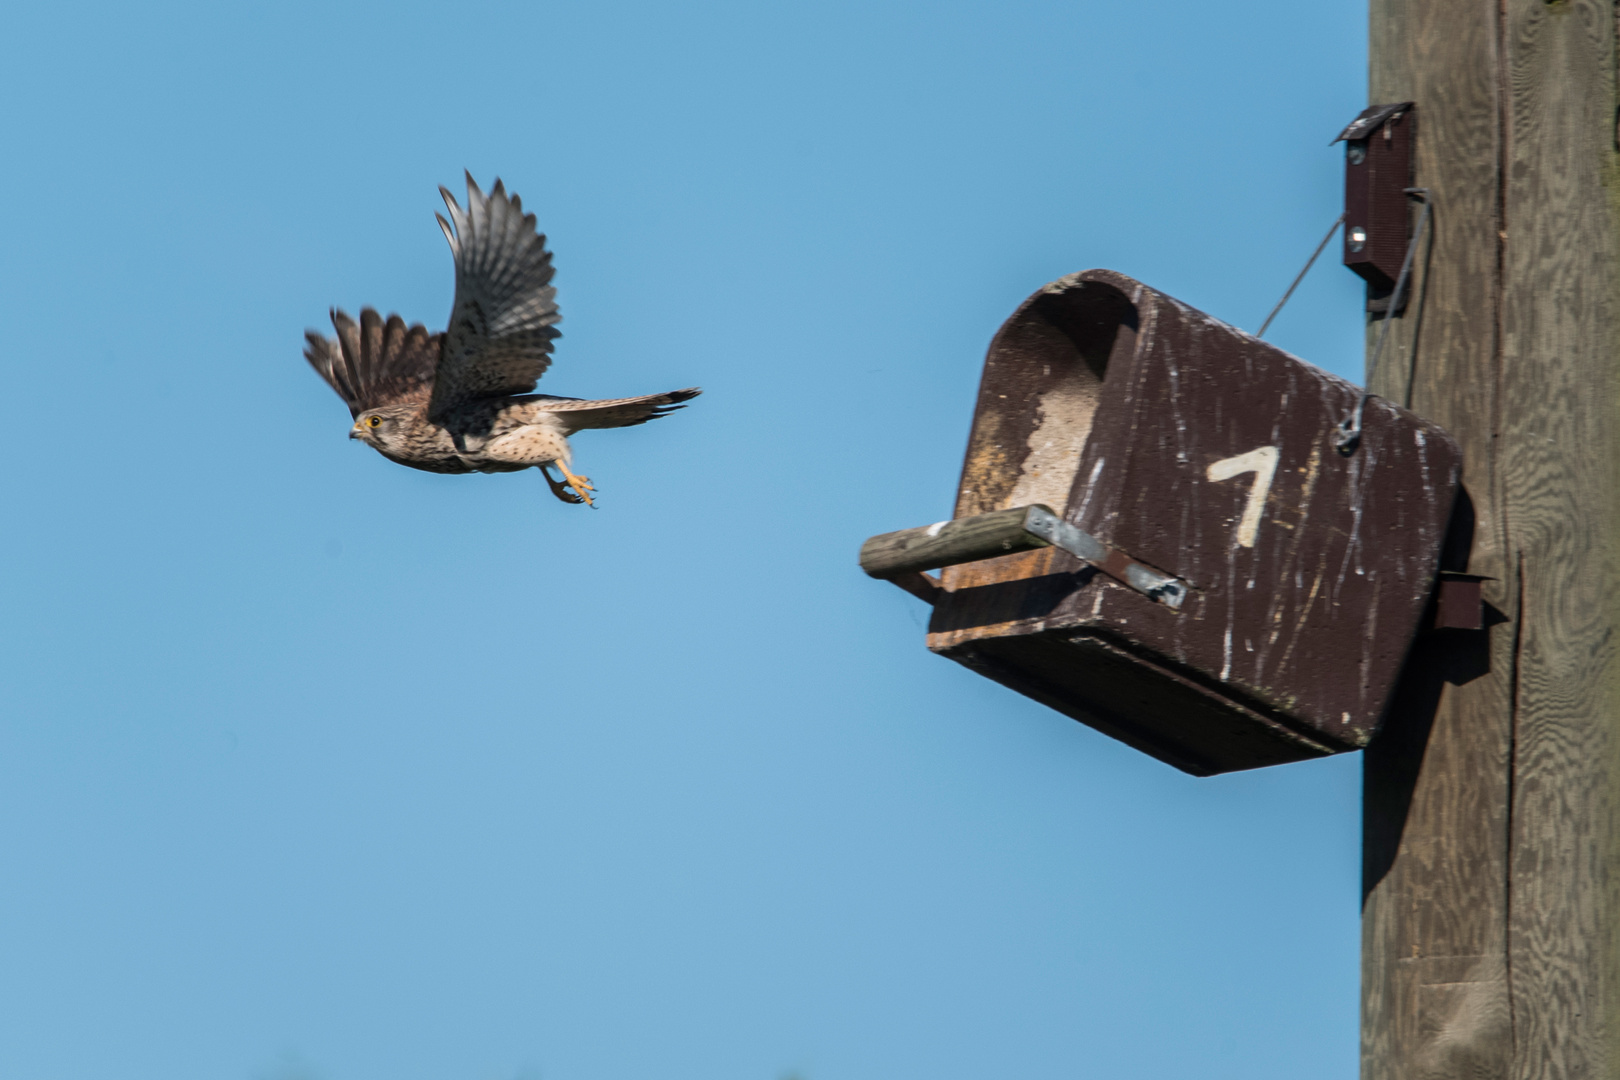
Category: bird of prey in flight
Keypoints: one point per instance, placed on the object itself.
(460, 401)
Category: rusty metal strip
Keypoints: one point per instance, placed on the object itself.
(1154, 584)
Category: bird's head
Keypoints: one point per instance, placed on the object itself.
(380, 428)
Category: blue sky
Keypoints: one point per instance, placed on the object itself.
(317, 768)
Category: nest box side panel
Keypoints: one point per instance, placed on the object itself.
(1311, 570)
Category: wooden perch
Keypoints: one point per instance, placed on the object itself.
(948, 543)
(901, 556)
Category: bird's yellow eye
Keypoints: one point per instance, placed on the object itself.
(373, 421)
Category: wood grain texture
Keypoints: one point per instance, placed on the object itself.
(1560, 319)
(1434, 935)
(1490, 913)
(949, 543)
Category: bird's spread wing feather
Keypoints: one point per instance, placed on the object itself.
(376, 362)
(501, 327)
(577, 415)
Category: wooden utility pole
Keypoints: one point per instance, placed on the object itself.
(1491, 919)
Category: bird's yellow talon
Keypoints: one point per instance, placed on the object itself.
(558, 487)
(581, 485)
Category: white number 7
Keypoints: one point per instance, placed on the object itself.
(1263, 463)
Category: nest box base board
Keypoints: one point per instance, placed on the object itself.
(1143, 704)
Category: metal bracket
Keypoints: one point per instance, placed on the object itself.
(902, 556)
(1459, 601)
(1165, 588)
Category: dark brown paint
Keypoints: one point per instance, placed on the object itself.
(1111, 401)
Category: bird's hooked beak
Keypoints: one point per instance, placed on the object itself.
(354, 432)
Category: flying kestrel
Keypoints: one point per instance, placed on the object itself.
(459, 401)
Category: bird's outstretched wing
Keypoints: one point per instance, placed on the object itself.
(501, 327)
(375, 363)
(577, 414)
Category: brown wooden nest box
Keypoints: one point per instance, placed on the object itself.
(1154, 534)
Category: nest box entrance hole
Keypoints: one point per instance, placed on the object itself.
(1042, 382)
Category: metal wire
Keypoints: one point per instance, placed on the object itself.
(1308, 264)
(1347, 436)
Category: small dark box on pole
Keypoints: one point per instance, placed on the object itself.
(1155, 535)
(1377, 172)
